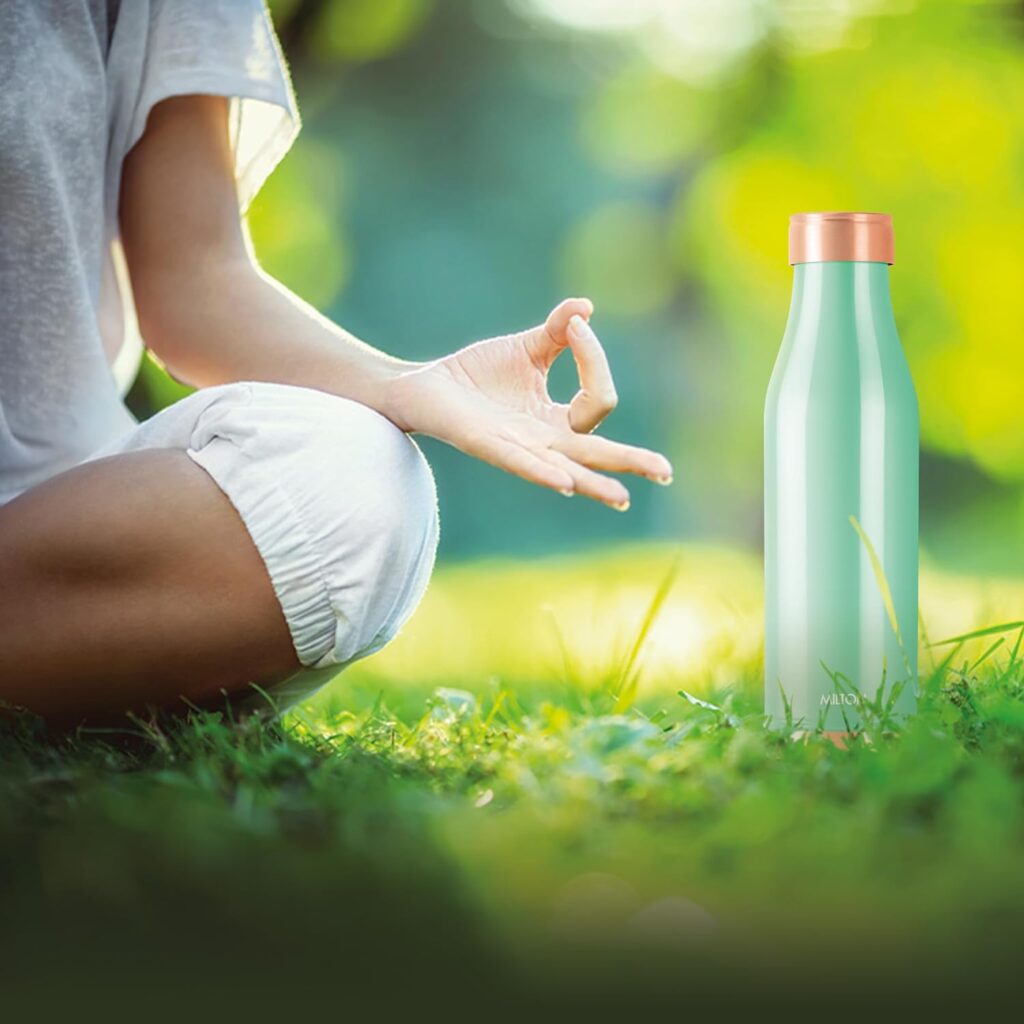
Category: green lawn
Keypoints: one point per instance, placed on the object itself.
(515, 801)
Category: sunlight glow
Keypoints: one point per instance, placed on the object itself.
(697, 40)
(571, 622)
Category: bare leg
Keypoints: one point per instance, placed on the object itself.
(132, 581)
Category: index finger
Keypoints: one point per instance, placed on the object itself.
(596, 396)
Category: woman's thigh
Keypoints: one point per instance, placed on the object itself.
(131, 581)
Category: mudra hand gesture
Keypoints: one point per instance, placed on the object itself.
(491, 401)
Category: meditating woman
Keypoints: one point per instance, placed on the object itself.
(279, 523)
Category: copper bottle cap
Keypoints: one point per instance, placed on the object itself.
(820, 237)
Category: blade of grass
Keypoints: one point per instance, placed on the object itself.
(698, 703)
(569, 667)
(988, 653)
(498, 702)
(926, 638)
(1011, 664)
(628, 679)
(1003, 627)
(880, 579)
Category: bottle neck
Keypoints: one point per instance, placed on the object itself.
(841, 289)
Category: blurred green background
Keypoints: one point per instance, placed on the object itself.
(516, 794)
(463, 165)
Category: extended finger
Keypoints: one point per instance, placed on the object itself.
(590, 484)
(601, 453)
(513, 458)
(596, 396)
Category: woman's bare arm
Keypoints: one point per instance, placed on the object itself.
(212, 315)
(205, 308)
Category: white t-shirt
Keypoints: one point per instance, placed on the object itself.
(77, 82)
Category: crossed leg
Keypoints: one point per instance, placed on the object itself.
(131, 581)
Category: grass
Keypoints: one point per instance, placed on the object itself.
(518, 802)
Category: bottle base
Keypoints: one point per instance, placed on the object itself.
(838, 738)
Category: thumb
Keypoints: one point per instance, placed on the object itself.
(547, 341)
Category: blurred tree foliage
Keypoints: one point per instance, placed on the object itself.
(464, 164)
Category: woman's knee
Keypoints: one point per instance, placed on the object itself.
(368, 476)
(342, 506)
(373, 519)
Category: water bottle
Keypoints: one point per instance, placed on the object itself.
(841, 489)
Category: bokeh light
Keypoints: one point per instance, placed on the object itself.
(464, 165)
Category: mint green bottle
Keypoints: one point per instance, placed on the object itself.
(841, 487)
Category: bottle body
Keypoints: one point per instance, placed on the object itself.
(841, 505)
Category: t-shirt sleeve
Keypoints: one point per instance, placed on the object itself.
(163, 48)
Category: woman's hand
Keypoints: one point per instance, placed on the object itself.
(213, 316)
(491, 401)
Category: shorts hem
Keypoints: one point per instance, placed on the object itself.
(284, 544)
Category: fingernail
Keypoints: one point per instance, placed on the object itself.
(623, 506)
(663, 481)
(577, 325)
(567, 493)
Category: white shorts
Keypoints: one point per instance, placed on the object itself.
(338, 501)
